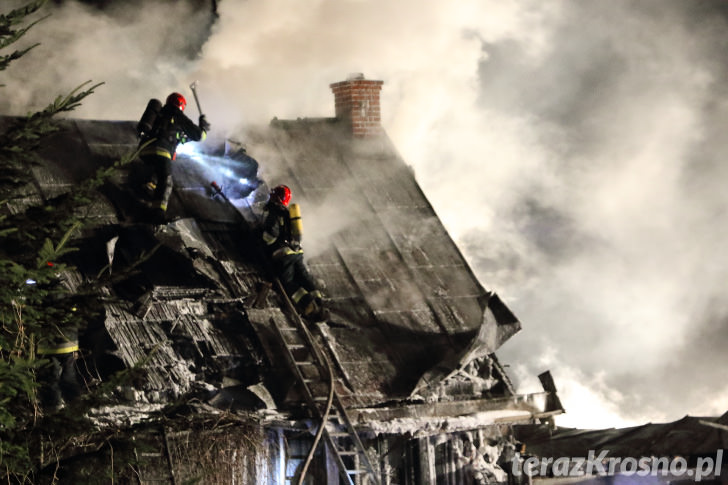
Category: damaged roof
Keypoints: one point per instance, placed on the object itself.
(410, 321)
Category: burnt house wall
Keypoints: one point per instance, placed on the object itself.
(214, 452)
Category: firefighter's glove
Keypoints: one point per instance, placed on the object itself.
(204, 124)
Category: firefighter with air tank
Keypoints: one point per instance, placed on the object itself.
(161, 129)
(281, 235)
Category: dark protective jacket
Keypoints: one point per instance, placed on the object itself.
(171, 128)
(277, 235)
(281, 235)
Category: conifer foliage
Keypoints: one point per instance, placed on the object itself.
(36, 235)
(9, 34)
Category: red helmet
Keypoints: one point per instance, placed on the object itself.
(282, 194)
(176, 99)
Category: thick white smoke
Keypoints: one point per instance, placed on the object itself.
(572, 149)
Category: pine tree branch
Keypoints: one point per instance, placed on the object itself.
(19, 142)
(18, 15)
(9, 36)
(6, 60)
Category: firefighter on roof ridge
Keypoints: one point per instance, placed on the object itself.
(282, 231)
(164, 127)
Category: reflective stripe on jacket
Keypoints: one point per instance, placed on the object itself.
(65, 348)
(58, 342)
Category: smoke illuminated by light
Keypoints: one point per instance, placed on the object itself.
(223, 170)
(191, 149)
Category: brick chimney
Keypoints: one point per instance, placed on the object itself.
(357, 103)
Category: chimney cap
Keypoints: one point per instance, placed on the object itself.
(355, 76)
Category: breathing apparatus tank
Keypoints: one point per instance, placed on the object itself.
(146, 122)
(294, 211)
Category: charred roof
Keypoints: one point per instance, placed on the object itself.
(410, 321)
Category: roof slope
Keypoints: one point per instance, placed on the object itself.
(403, 298)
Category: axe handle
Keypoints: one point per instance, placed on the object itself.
(193, 87)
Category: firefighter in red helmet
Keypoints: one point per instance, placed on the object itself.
(281, 234)
(165, 127)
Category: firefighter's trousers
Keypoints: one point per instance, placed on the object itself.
(296, 279)
(60, 380)
(161, 167)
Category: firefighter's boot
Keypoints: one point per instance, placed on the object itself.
(315, 312)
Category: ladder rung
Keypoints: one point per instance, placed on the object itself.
(304, 362)
(296, 346)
